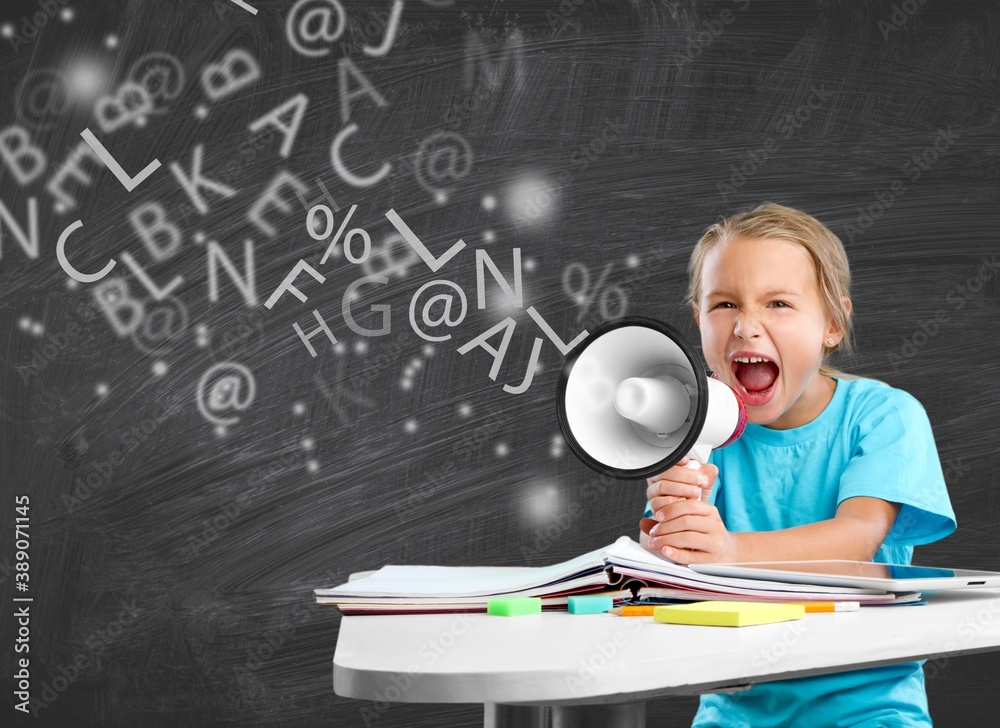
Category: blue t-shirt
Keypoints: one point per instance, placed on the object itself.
(870, 440)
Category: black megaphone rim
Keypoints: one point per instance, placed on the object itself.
(701, 411)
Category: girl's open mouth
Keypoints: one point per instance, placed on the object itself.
(757, 381)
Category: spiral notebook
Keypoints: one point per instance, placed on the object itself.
(623, 570)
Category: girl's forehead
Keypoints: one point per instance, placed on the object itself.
(765, 264)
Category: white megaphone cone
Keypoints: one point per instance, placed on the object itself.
(633, 401)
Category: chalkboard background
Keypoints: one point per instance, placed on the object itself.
(174, 546)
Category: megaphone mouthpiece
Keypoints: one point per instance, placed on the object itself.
(660, 404)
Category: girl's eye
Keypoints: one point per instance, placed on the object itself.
(783, 304)
(724, 303)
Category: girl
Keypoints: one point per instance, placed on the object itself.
(831, 466)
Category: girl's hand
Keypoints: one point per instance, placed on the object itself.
(678, 483)
(692, 532)
(685, 528)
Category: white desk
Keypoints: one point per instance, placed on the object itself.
(532, 671)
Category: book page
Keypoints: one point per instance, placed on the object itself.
(470, 581)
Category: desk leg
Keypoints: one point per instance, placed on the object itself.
(498, 715)
(609, 715)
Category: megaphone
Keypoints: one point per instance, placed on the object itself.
(634, 400)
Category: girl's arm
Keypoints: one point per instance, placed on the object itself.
(855, 533)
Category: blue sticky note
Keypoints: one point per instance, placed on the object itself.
(593, 604)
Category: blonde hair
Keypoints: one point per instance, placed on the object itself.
(769, 220)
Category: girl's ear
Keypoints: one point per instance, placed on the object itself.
(697, 317)
(834, 328)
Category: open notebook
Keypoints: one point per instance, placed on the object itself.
(624, 570)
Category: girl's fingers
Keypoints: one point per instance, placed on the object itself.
(692, 523)
(673, 488)
(687, 475)
(690, 540)
(661, 502)
(676, 474)
(684, 461)
(685, 557)
(664, 511)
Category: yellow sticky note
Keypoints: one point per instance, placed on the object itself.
(728, 614)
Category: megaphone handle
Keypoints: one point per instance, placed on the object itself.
(694, 465)
(697, 457)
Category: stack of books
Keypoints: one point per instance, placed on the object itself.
(623, 570)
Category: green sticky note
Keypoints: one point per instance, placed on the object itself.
(728, 613)
(591, 604)
(514, 606)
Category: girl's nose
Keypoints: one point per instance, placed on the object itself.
(747, 326)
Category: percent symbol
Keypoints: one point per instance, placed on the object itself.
(612, 300)
(351, 234)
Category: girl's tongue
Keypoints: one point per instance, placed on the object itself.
(758, 376)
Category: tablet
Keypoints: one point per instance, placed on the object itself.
(865, 574)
